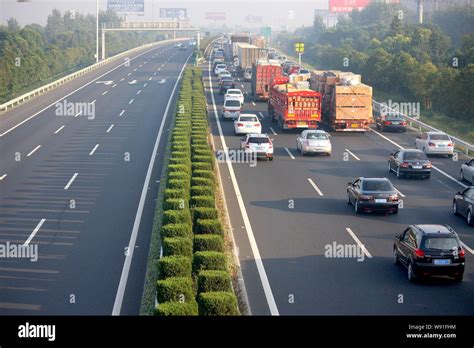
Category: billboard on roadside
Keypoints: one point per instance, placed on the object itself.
(180, 13)
(344, 6)
(126, 6)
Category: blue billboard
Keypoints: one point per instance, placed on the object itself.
(126, 6)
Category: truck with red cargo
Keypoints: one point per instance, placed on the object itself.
(263, 73)
(293, 107)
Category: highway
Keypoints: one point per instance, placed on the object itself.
(285, 212)
(83, 186)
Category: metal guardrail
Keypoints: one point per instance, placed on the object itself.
(38, 91)
(423, 126)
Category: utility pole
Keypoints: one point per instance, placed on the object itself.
(97, 31)
(420, 11)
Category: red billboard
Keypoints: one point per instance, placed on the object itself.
(342, 6)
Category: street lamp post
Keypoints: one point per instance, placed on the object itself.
(97, 31)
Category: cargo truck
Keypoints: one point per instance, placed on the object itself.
(293, 107)
(264, 71)
(247, 55)
(347, 102)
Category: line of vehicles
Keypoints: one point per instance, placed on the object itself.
(298, 98)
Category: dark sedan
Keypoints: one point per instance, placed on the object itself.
(430, 250)
(225, 86)
(373, 195)
(463, 204)
(391, 123)
(409, 162)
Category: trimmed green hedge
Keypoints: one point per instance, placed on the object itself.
(201, 182)
(208, 242)
(208, 226)
(176, 230)
(217, 303)
(177, 216)
(175, 204)
(209, 260)
(203, 201)
(209, 281)
(208, 174)
(179, 246)
(177, 309)
(174, 266)
(202, 191)
(178, 289)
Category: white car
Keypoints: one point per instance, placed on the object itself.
(231, 109)
(258, 144)
(234, 93)
(435, 143)
(246, 124)
(219, 68)
(314, 141)
(467, 171)
(223, 73)
(248, 74)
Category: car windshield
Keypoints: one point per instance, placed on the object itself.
(319, 136)
(259, 140)
(441, 243)
(248, 119)
(439, 137)
(414, 156)
(233, 92)
(232, 103)
(220, 66)
(377, 185)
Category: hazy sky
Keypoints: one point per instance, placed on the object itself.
(275, 13)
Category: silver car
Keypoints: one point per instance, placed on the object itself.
(467, 171)
(314, 141)
(435, 143)
(231, 109)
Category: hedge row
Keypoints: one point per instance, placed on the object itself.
(193, 272)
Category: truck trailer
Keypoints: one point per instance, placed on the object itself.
(264, 71)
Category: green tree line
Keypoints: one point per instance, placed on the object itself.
(35, 54)
(432, 64)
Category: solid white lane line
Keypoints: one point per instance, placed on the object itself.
(105, 92)
(110, 128)
(122, 112)
(315, 187)
(131, 101)
(261, 115)
(139, 91)
(145, 84)
(71, 181)
(32, 235)
(362, 246)
(248, 227)
(289, 153)
(273, 131)
(59, 129)
(136, 225)
(350, 153)
(3, 176)
(33, 151)
(399, 192)
(67, 95)
(93, 150)
(467, 248)
(433, 167)
(114, 85)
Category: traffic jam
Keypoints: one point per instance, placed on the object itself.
(320, 107)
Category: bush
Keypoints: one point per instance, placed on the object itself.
(180, 161)
(179, 176)
(209, 281)
(208, 242)
(208, 174)
(208, 226)
(178, 184)
(178, 168)
(175, 289)
(177, 309)
(217, 303)
(177, 216)
(203, 201)
(180, 154)
(203, 152)
(201, 166)
(176, 230)
(209, 260)
(174, 266)
(179, 246)
(202, 191)
(175, 204)
(204, 213)
(201, 182)
(196, 147)
(206, 159)
(176, 193)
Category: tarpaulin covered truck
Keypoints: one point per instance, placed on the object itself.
(248, 54)
(347, 102)
(264, 71)
(293, 107)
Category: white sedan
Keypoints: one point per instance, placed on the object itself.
(247, 123)
(314, 141)
(435, 143)
(234, 93)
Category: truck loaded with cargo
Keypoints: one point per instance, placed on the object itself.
(247, 54)
(264, 71)
(293, 107)
(347, 102)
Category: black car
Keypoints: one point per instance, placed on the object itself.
(391, 122)
(225, 86)
(373, 195)
(411, 162)
(427, 250)
(463, 204)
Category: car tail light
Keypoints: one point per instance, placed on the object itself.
(403, 123)
(366, 197)
(240, 124)
(462, 253)
(256, 125)
(387, 123)
(404, 165)
(393, 198)
(450, 145)
(431, 144)
(419, 253)
(428, 165)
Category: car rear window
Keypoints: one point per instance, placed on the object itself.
(441, 243)
(248, 119)
(304, 71)
(259, 140)
(231, 102)
(439, 137)
(377, 185)
(220, 66)
(320, 136)
(414, 156)
(233, 92)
